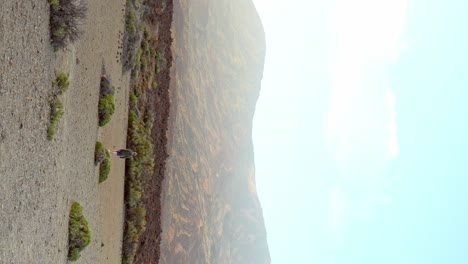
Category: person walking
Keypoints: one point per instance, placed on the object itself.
(123, 153)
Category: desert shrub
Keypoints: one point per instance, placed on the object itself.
(137, 215)
(149, 121)
(66, 19)
(61, 83)
(157, 55)
(134, 197)
(133, 100)
(131, 232)
(106, 109)
(54, 3)
(157, 68)
(99, 153)
(144, 63)
(104, 167)
(56, 112)
(106, 86)
(131, 22)
(79, 235)
(136, 65)
(146, 46)
(138, 91)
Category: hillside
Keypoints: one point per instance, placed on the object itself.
(211, 212)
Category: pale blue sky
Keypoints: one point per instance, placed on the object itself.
(360, 132)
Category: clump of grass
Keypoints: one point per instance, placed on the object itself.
(79, 235)
(66, 19)
(56, 112)
(106, 105)
(104, 167)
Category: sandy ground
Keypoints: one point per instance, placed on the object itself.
(40, 179)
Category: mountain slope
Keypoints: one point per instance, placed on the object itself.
(211, 212)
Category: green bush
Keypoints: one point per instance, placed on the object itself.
(106, 109)
(79, 235)
(56, 112)
(104, 167)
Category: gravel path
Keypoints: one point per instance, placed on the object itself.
(40, 179)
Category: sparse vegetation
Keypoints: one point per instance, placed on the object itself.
(79, 235)
(142, 56)
(106, 105)
(59, 86)
(139, 139)
(66, 19)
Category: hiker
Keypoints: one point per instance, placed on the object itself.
(123, 153)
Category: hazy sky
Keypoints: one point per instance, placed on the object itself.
(361, 131)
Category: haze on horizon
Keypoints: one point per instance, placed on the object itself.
(360, 131)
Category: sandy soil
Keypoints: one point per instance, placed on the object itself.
(40, 179)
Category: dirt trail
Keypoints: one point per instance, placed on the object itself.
(39, 178)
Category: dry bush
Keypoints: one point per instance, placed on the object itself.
(66, 19)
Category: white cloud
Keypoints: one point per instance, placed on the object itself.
(366, 37)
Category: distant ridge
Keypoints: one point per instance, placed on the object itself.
(211, 211)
